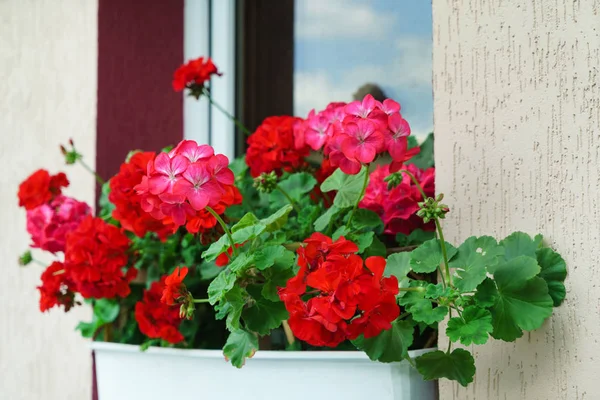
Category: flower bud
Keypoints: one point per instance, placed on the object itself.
(266, 182)
(25, 258)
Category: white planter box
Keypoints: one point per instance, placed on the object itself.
(123, 372)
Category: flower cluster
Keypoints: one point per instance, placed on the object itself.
(49, 223)
(128, 210)
(354, 134)
(156, 319)
(56, 289)
(95, 256)
(398, 206)
(272, 147)
(194, 75)
(40, 188)
(188, 179)
(349, 297)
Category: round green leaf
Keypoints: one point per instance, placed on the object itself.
(457, 366)
(474, 326)
(554, 272)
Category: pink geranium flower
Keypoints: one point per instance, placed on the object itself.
(167, 172)
(363, 141)
(363, 108)
(198, 187)
(50, 223)
(397, 139)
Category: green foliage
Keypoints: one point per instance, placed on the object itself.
(416, 237)
(263, 314)
(522, 300)
(428, 257)
(473, 326)
(422, 309)
(240, 345)
(105, 206)
(348, 187)
(474, 258)
(425, 157)
(458, 366)
(554, 272)
(296, 186)
(390, 345)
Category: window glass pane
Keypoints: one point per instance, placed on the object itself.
(341, 45)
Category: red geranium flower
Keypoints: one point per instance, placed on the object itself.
(57, 289)
(272, 147)
(349, 297)
(398, 207)
(95, 256)
(174, 286)
(194, 74)
(156, 319)
(128, 210)
(40, 188)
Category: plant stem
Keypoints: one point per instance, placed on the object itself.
(201, 300)
(91, 171)
(412, 289)
(225, 228)
(362, 193)
(227, 114)
(289, 198)
(444, 252)
(438, 226)
(289, 335)
(292, 246)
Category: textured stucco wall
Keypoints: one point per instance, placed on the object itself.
(48, 56)
(517, 123)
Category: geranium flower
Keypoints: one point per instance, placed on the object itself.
(180, 184)
(174, 286)
(272, 147)
(50, 223)
(398, 207)
(194, 74)
(95, 256)
(362, 142)
(128, 204)
(57, 289)
(318, 128)
(40, 187)
(156, 319)
(342, 291)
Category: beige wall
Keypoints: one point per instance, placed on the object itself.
(48, 58)
(517, 123)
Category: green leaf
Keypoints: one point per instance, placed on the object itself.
(428, 257)
(264, 314)
(418, 236)
(341, 231)
(238, 166)
(474, 326)
(269, 255)
(523, 301)
(425, 157)
(367, 220)
(208, 270)
(106, 207)
(220, 286)
(457, 366)
(247, 220)
(486, 293)
(475, 256)
(240, 345)
(107, 310)
(377, 248)
(296, 186)
(276, 277)
(247, 233)
(215, 249)
(348, 187)
(398, 264)
(362, 240)
(323, 221)
(518, 244)
(436, 291)
(554, 272)
(390, 345)
(421, 308)
(241, 262)
(277, 220)
(232, 306)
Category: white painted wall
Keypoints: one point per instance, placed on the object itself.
(48, 65)
(517, 124)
